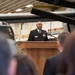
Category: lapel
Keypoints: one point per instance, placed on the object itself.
(36, 31)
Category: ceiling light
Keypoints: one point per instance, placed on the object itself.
(19, 10)
(9, 13)
(28, 6)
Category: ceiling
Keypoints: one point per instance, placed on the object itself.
(10, 6)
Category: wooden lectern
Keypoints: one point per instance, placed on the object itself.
(39, 51)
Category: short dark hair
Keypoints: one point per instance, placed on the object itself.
(62, 37)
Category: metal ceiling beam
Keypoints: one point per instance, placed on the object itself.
(46, 6)
(64, 13)
(63, 3)
(27, 17)
(53, 16)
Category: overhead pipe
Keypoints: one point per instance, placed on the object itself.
(28, 17)
(53, 16)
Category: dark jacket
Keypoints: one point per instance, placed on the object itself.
(51, 65)
(35, 36)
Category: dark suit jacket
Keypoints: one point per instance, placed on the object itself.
(51, 65)
(35, 36)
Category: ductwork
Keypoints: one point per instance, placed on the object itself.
(53, 16)
(28, 17)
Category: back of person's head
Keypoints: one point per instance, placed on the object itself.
(62, 37)
(69, 53)
(4, 55)
(26, 66)
(67, 64)
(61, 40)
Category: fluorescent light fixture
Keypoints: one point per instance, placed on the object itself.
(28, 6)
(19, 9)
(9, 13)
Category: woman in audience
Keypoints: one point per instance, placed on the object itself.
(68, 57)
(26, 66)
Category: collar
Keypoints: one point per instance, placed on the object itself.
(38, 30)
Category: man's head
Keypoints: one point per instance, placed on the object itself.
(61, 39)
(39, 25)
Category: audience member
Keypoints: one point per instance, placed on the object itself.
(12, 43)
(5, 55)
(68, 57)
(51, 64)
(26, 66)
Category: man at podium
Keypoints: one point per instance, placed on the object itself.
(38, 34)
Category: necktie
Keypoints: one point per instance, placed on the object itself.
(39, 31)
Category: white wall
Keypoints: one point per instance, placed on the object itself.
(22, 30)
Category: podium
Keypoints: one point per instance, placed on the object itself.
(39, 51)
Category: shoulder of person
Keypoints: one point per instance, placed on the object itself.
(44, 31)
(11, 41)
(13, 46)
(33, 30)
(51, 61)
(54, 58)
